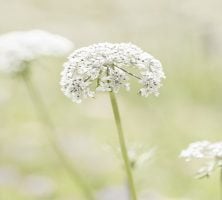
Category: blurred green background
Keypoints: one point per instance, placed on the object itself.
(185, 35)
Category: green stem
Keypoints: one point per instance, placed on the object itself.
(43, 115)
(220, 183)
(123, 146)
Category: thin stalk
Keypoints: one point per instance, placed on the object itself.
(45, 118)
(220, 183)
(123, 146)
(135, 76)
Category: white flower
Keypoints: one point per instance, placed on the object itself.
(38, 186)
(19, 47)
(138, 155)
(113, 193)
(9, 176)
(107, 67)
(210, 153)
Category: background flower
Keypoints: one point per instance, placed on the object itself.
(210, 153)
(19, 47)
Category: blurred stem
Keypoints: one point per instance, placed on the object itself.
(221, 183)
(123, 146)
(45, 118)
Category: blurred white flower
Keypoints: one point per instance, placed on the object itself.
(26, 149)
(38, 186)
(113, 193)
(210, 153)
(9, 176)
(86, 152)
(122, 193)
(153, 195)
(5, 95)
(19, 47)
(139, 156)
(107, 67)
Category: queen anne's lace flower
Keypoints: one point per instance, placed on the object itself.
(19, 47)
(107, 67)
(210, 153)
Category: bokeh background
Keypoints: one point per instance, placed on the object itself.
(185, 35)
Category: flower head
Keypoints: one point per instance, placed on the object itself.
(107, 67)
(19, 47)
(210, 153)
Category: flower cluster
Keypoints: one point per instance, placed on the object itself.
(107, 67)
(19, 47)
(210, 153)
